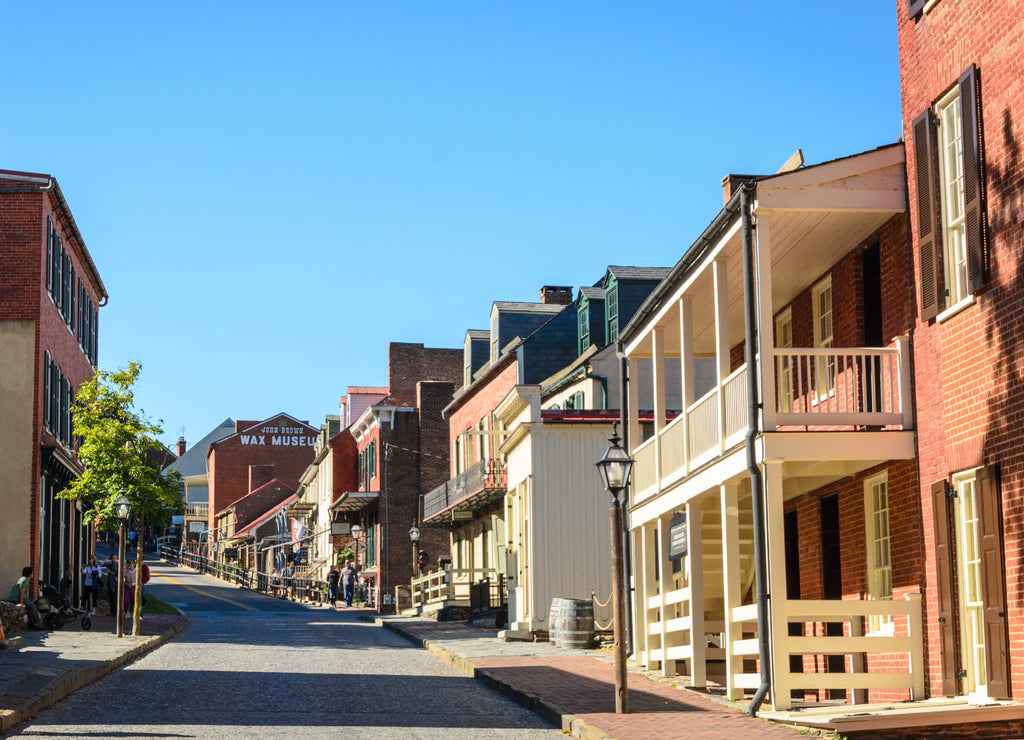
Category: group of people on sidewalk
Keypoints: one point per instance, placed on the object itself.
(92, 583)
(347, 578)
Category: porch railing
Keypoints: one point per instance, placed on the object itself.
(455, 587)
(197, 509)
(818, 389)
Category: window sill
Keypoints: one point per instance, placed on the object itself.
(955, 309)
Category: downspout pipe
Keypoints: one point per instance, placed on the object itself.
(756, 481)
(627, 551)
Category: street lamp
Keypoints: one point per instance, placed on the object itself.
(356, 531)
(615, 468)
(123, 508)
(414, 535)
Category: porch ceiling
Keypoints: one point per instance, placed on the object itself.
(810, 219)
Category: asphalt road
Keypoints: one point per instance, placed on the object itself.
(250, 666)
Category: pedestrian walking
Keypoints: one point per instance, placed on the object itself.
(129, 586)
(348, 582)
(92, 579)
(332, 585)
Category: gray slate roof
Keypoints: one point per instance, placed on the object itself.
(193, 462)
(622, 272)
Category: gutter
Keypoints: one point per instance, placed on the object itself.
(627, 551)
(756, 482)
(65, 211)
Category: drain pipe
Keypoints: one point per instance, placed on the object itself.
(756, 482)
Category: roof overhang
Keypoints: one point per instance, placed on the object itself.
(354, 501)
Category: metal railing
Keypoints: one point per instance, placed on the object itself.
(295, 588)
(485, 475)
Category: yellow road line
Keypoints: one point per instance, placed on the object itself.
(209, 595)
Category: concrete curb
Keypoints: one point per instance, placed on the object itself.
(75, 680)
(551, 712)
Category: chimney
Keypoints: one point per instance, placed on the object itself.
(260, 475)
(556, 294)
(732, 183)
(181, 446)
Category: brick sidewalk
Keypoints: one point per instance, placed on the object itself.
(577, 691)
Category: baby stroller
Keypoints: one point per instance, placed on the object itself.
(61, 610)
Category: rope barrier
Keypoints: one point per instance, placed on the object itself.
(602, 627)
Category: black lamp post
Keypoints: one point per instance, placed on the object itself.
(615, 468)
(414, 535)
(123, 508)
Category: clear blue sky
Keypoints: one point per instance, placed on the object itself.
(273, 194)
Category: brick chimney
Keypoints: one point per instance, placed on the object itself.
(260, 475)
(556, 294)
(181, 446)
(732, 183)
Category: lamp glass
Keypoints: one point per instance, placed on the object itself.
(615, 466)
(356, 530)
(414, 533)
(123, 506)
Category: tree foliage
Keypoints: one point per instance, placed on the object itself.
(120, 451)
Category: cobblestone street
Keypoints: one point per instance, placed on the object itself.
(248, 666)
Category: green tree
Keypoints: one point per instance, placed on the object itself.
(121, 453)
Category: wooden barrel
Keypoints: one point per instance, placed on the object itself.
(572, 624)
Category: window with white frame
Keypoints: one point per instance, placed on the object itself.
(825, 367)
(950, 198)
(951, 193)
(876, 508)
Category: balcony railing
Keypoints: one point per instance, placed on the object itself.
(815, 389)
(486, 475)
(197, 509)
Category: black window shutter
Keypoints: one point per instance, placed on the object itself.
(914, 7)
(49, 254)
(54, 398)
(927, 244)
(72, 303)
(974, 186)
(46, 389)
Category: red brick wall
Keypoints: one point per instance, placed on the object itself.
(408, 364)
(478, 403)
(969, 393)
(229, 461)
(24, 297)
(906, 551)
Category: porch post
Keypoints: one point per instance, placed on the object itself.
(686, 371)
(765, 320)
(731, 585)
(646, 586)
(778, 603)
(695, 580)
(665, 579)
(722, 348)
(658, 387)
(906, 407)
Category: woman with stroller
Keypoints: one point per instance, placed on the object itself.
(93, 581)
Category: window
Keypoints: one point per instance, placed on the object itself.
(784, 366)
(611, 303)
(825, 365)
(879, 561)
(969, 571)
(584, 333)
(951, 221)
(58, 402)
(69, 293)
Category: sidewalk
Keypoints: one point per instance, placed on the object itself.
(50, 665)
(575, 689)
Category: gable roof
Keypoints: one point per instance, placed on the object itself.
(250, 425)
(193, 462)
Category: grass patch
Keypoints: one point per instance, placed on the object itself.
(157, 606)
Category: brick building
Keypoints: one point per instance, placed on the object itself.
(402, 451)
(280, 447)
(50, 295)
(962, 81)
